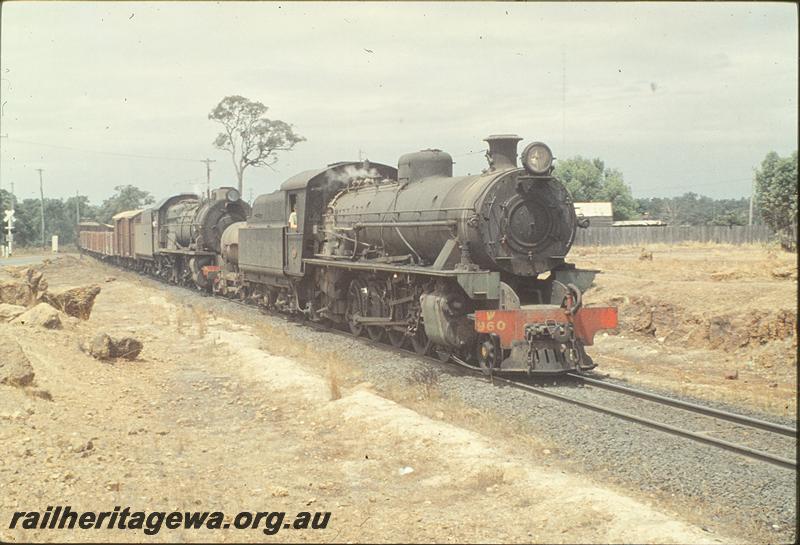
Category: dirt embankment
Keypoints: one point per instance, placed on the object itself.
(730, 332)
(702, 313)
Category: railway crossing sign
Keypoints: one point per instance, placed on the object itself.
(9, 218)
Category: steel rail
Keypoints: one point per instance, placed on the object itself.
(693, 407)
(726, 445)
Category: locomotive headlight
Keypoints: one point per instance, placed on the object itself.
(232, 195)
(537, 158)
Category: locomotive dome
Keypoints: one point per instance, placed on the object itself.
(424, 164)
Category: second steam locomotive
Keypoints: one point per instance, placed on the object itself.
(471, 267)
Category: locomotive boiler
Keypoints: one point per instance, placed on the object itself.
(520, 222)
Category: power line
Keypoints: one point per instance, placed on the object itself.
(183, 182)
(470, 153)
(113, 153)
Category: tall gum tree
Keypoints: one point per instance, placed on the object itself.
(249, 136)
(776, 195)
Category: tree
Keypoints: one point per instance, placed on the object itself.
(127, 197)
(249, 136)
(589, 180)
(693, 209)
(776, 195)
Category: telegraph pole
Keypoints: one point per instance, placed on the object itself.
(208, 176)
(77, 208)
(563, 100)
(41, 195)
(752, 190)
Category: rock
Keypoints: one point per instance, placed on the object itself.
(104, 347)
(39, 393)
(15, 293)
(83, 447)
(406, 470)
(732, 375)
(9, 312)
(101, 347)
(15, 368)
(645, 255)
(110, 278)
(23, 292)
(42, 315)
(127, 348)
(77, 302)
(789, 272)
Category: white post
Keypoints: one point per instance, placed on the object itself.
(9, 221)
(54, 244)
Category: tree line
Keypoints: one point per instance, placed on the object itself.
(588, 180)
(61, 215)
(253, 140)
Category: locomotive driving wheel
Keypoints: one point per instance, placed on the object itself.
(397, 337)
(375, 332)
(364, 301)
(354, 309)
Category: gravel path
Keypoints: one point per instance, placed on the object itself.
(729, 490)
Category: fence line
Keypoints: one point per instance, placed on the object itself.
(621, 236)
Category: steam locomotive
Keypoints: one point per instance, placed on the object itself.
(471, 267)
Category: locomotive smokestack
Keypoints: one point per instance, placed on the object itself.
(502, 152)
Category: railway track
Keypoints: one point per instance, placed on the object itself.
(741, 421)
(738, 420)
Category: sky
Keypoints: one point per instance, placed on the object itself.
(677, 96)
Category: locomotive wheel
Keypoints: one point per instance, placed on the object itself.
(354, 308)
(397, 338)
(375, 332)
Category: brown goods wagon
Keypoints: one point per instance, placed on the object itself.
(124, 233)
(96, 237)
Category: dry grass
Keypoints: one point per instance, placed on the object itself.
(716, 263)
(422, 393)
(487, 477)
(333, 382)
(426, 381)
(201, 320)
(180, 319)
(682, 246)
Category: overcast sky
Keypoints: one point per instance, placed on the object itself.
(679, 97)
